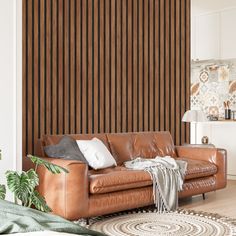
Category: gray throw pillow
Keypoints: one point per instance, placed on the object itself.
(67, 149)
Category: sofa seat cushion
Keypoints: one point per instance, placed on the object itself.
(117, 179)
(120, 178)
(199, 168)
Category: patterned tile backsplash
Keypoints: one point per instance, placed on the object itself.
(212, 83)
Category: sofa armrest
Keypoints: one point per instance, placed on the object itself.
(66, 194)
(213, 155)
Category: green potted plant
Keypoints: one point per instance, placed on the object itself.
(23, 185)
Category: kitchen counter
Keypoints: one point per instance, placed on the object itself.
(222, 134)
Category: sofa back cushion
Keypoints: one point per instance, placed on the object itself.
(121, 146)
(127, 146)
(152, 144)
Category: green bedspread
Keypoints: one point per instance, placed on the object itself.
(18, 219)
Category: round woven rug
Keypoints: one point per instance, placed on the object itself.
(181, 222)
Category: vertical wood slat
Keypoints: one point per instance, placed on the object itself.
(124, 65)
(145, 64)
(151, 64)
(177, 71)
(140, 66)
(118, 67)
(54, 66)
(66, 61)
(134, 66)
(162, 65)
(89, 68)
(157, 66)
(29, 109)
(78, 63)
(72, 50)
(60, 67)
(102, 67)
(84, 104)
(172, 63)
(96, 78)
(112, 67)
(47, 68)
(167, 65)
(36, 74)
(129, 74)
(105, 66)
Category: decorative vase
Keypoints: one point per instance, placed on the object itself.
(205, 140)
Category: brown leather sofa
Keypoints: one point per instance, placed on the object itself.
(85, 192)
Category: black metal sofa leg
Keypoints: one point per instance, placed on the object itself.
(203, 196)
(87, 221)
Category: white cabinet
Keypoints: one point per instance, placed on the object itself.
(193, 38)
(213, 35)
(207, 37)
(228, 34)
(223, 135)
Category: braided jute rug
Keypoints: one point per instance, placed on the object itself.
(150, 223)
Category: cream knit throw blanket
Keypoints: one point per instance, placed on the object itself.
(167, 175)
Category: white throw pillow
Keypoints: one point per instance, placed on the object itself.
(96, 153)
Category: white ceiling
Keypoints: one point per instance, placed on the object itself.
(204, 6)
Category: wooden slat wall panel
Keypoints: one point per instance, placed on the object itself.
(105, 66)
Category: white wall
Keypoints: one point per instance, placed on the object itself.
(204, 6)
(10, 86)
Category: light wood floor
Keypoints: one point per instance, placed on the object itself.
(222, 201)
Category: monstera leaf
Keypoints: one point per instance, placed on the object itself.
(2, 192)
(55, 169)
(39, 202)
(32, 178)
(22, 185)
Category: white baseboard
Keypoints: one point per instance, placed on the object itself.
(231, 177)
